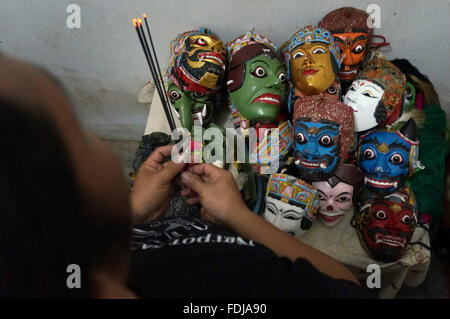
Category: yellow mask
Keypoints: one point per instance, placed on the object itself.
(311, 68)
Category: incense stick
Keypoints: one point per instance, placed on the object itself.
(141, 35)
(154, 53)
(156, 72)
(158, 80)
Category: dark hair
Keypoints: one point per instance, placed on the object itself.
(236, 69)
(42, 224)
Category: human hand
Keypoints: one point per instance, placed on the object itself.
(154, 186)
(215, 189)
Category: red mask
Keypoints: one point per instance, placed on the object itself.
(385, 225)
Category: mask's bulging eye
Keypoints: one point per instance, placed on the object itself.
(381, 215)
(406, 220)
(199, 94)
(408, 92)
(332, 90)
(201, 42)
(396, 159)
(300, 138)
(174, 95)
(298, 55)
(353, 87)
(259, 72)
(368, 154)
(282, 77)
(326, 140)
(358, 49)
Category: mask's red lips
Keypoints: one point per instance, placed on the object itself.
(310, 72)
(268, 98)
(212, 56)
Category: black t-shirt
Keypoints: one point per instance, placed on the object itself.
(191, 258)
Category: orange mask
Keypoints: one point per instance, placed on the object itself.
(353, 46)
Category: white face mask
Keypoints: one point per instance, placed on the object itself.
(363, 97)
(286, 217)
(334, 201)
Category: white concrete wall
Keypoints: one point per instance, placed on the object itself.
(104, 69)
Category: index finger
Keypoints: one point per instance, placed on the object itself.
(161, 153)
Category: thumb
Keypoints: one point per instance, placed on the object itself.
(170, 170)
(193, 181)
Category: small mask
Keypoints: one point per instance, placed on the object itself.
(419, 89)
(197, 61)
(256, 79)
(387, 157)
(336, 194)
(377, 94)
(349, 27)
(291, 204)
(323, 135)
(192, 106)
(314, 60)
(262, 151)
(385, 225)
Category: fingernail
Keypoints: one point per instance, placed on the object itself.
(185, 175)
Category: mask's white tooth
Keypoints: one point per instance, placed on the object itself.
(200, 118)
(366, 180)
(395, 185)
(204, 110)
(297, 162)
(323, 166)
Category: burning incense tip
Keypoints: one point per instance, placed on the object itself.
(135, 22)
(144, 16)
(140, 21)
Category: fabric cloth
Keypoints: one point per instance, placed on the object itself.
(428, 184)
(191, 258)
(341, 242)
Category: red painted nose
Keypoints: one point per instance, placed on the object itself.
(329, 207)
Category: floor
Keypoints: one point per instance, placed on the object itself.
(436, 284)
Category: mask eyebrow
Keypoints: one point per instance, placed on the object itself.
(372, 140)
(398, 145)
(258, 61)
(320, 192)
(361, 37)
(344, 193)
(299, 123)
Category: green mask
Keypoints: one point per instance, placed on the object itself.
(194, 108)
(410, 97)
(262, 94)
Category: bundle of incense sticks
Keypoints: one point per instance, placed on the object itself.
(153, 65)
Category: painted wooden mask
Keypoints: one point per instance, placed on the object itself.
(336, 194)
(291, 204)
(256, 79)
(377, 94)
(314, 60)
(352, 34)
(388, 157)
(385, 225)
(324, 130)
(197, 61)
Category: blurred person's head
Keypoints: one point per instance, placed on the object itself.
(63, 197)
